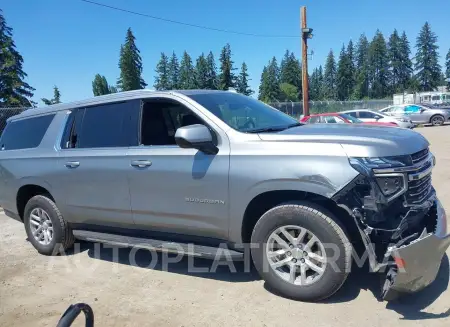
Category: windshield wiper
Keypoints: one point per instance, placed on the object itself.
(273, 129)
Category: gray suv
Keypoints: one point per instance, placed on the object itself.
(215, 170)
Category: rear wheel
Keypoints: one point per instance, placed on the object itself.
(45, 226)
(437, 120)
(303, 253)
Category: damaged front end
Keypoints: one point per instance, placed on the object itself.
(402, 223)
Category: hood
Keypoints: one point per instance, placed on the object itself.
(358, 140)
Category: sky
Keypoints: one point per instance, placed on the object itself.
(67, 42)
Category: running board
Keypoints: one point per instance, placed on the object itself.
(190, 249)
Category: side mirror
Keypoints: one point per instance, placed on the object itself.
(196, 137)
(378, 117)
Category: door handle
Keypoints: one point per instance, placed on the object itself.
(141, 163)
(72, 164)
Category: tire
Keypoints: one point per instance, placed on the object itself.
(437, 120)
(61, 237)
(324, 226)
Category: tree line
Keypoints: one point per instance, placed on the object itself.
(374, 69)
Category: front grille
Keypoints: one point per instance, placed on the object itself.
(419, 188)
(419, 156)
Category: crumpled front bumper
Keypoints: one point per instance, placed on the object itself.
(418, 263)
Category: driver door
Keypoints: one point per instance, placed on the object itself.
(175, 190)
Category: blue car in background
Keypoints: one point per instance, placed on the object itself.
(419, 114)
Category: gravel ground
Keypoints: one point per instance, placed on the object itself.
(35, 290)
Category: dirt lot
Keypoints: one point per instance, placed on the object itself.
(35, 290)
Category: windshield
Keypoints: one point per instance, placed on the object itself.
(353, 120)
(244, 113)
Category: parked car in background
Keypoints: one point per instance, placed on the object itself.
(419, 114)
(367, 115)
(341, 118)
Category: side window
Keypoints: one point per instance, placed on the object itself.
(330, 119)
(160, 120)
(25, 133)
(313, 119)
(366, 114)
(353, 114)
(102, 126)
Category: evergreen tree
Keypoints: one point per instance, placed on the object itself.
(162, 79)
(211, 83)
(130, 64)
(316, 85)
(406, 66)
(262, 84)
(329, 78)
(173, 71)
(344, 76)
(100, 86)
(269, 90)
(378, 67)
(56, 97)
(201, 72)
(14, 91)
(361, 89)
(427, 59)
(226, 76)
(447, 69)
(242, 81)
(395, 61)
(291, 72)
(187, 73)
(351, 67)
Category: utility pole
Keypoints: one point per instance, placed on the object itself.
(306, 34)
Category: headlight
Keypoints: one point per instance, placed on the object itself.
(381, 162)
(391, 185)
(403, 120)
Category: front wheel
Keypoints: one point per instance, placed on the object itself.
(303, 253)
(437, 120)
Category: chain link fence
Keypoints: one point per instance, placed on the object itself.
(5, 113)
(295, 109)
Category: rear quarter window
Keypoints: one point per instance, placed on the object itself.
(25, 133)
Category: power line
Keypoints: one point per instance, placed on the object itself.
(188, 24)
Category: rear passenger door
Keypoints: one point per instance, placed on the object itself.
(95, 166)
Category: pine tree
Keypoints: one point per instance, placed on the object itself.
(227, 78)
(395, 61)
(378, 67)
(242, 81)
(406, 67)
(269, 89)
(291, 72)
(316, 85)
(447, 69)
(361, 89)
(329, 78)
(14, 91)
(211, 83)
(173, 71)
(56, 97)
(130, 64)
(351, 67)
(187, 73)
(427, 59)
(100, 86)
(162, 79)
(201, 72)
(344, 76)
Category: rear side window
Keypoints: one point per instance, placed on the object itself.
(103, 126)
(25, 133)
